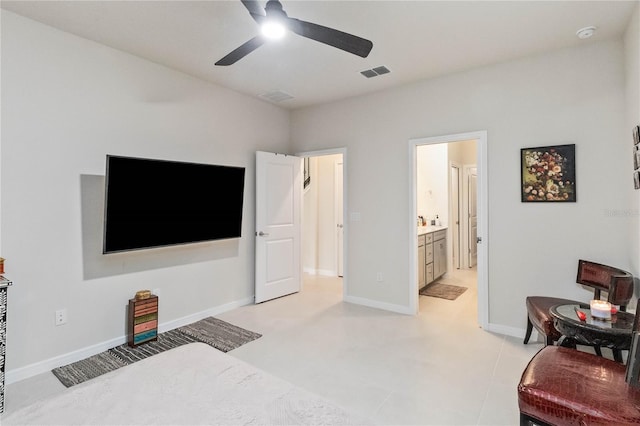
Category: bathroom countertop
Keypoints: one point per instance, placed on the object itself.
(429, 229)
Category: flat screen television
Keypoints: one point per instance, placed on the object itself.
(155, 203)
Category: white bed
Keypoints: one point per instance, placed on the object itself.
(188, 385)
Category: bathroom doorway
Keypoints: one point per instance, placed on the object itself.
(438, 164)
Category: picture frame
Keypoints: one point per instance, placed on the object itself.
(636, 157)
(548, 174)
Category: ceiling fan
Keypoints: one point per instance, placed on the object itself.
(274, 22)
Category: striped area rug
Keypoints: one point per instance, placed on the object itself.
(212, 331)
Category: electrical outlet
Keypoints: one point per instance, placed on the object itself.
(379, 277)
(61, 317)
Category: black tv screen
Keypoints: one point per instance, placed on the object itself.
(154, 203)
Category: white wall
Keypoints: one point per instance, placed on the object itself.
(463, 152)
(319, 234)
(432, 182)
(327, 233)
(569, 96)
(632, 79)
(310, 221)
(66, 103)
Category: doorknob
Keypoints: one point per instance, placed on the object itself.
(478, 240)
(263, 234)
(340, 225)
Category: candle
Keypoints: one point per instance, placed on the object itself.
(600, 309)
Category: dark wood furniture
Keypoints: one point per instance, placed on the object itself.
(563, 386)
(143, 320)
(4, 285)
(614, 334)
(618, 285)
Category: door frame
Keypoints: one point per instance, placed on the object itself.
(483, 220)
(345, 198)
(338, 165)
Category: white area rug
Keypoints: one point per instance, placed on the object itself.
(193, 384)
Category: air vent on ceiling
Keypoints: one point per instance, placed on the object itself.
(276, 96)
(374, 72)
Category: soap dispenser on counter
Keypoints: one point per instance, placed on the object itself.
(438, 223)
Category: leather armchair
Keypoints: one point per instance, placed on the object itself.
(563, 386)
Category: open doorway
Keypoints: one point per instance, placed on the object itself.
(448, 195)
(444, 203)
(323, 226)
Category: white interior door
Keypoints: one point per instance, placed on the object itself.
(455, 215)
(339, 216)
(278, 225)
(473, 217)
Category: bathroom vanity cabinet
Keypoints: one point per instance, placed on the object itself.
(432, 254)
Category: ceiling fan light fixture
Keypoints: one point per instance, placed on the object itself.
(273, 29)
(275, 23)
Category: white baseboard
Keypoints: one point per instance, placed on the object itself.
(506, 330)
(401, 309)
(322, 272)
(494, 328)
(17, 374)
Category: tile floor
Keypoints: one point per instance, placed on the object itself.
(436, 368)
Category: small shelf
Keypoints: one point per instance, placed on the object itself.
(143, 320)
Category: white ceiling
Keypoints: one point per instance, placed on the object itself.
(414, 39)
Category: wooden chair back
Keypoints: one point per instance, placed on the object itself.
(618, 284)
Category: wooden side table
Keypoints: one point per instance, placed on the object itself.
(614, 334)
(143, 320)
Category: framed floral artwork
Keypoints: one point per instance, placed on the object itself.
(548, 174)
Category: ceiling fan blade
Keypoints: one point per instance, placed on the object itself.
(347, 42)
(254, 8)
(241, 51)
